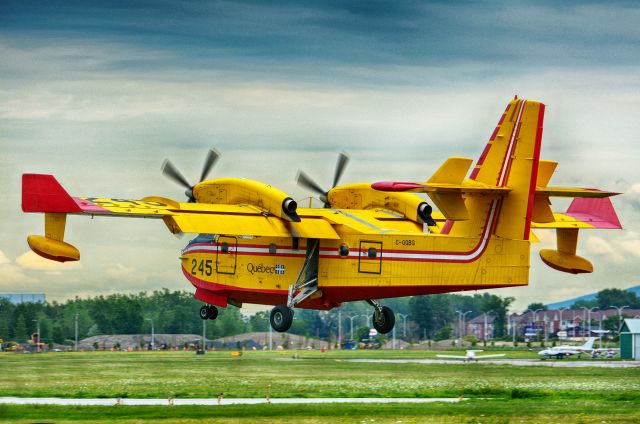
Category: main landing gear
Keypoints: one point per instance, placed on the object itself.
(383, 317)
(281, 318)
(209, 312)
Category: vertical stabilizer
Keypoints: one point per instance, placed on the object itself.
(510, 159)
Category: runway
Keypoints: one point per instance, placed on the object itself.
(212, 401)
(515, 362)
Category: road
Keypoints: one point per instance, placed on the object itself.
(212, 401)
(516, 362)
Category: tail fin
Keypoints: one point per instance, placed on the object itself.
(510, 160)
(589, 344)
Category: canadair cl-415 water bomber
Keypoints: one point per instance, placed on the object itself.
(371, 241)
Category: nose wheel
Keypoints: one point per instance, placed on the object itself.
(281, 318)
(209, 312)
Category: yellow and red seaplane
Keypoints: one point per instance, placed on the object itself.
(370, 241)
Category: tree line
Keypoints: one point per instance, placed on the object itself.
(176, 312)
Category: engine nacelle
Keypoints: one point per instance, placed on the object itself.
(362, 196)
(239, 191)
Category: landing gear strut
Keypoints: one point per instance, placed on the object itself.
(209, 312)
(281, 318)
(383, 317)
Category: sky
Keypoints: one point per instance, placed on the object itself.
(100, 93)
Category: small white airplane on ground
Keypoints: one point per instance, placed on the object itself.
(564, 350)
(470, 355)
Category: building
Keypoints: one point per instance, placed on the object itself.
(565, 323)
(17, 298)
(481, 326)
(630, 339)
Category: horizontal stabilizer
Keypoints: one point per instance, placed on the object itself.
(452, 171)
(583, 213)
(574, 192)
(597, 212)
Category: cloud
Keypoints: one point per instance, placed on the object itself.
(11, 274)
(624, 248)
(100, 95)
(30, 260)
(119, 271)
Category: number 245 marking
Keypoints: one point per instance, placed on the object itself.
(202, 266)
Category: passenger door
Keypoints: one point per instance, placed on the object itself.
(226, 255)
(370, 257)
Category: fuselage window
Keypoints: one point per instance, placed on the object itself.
(224, 247)
(272, 248)
(372, 253)
(343, 250)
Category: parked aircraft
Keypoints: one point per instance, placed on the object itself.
(470, 355)
(559, 352)
(254, 245)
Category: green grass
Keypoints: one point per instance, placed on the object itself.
(474, 411)
(498, 392)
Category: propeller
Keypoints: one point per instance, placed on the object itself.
(307, 182)
(171, 172)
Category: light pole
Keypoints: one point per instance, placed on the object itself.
(584, 318)
(393, 345)
(561, 309)
(153, 334)
(404, 323)
(270, 337)
(339, 329)
(37, 334)
(484, 329)
(619, 314)
(462, 320)
(535, 321)
(368, 318)
(573, 322)
(589, 318)
(76, 345)
(351, 318)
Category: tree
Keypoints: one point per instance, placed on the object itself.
(537, 305)
(20, 329)
(499, 307)
(585, 304)
(432, 312)
(616, 297)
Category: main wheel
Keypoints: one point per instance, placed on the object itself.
(281, 318)
(213, 312)
(384, 321)
(205, 312)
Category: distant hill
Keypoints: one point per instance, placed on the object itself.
(567, 303)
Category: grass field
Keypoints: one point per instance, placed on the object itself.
(499, 393)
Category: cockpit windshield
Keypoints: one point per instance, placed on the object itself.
(204, 238)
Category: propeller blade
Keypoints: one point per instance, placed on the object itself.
(305, 181)
(343, 160)
(212, 157)
(172, 173)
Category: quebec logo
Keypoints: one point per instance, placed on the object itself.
(279, 269)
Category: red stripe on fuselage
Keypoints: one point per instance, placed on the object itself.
(534, 172)
(331, 295)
